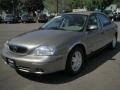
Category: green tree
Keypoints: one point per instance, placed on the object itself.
(34, 5)
(6, 5)
(117, 2)
(10, 6)
(50, 5)
(77, 3)
(99, 4)
(90, 4)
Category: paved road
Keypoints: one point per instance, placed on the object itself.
(102, 71)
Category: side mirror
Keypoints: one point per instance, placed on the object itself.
(92, 27)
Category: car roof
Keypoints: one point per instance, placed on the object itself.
(84, 12)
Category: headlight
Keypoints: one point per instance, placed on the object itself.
(43, 51)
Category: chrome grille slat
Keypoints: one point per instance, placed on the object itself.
(18, 49)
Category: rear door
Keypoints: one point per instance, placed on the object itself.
(108, 28)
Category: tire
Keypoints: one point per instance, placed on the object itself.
(113, 44)
(74, 66)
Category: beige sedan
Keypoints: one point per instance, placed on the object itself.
(63, 43)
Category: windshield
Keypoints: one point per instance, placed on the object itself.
(9, 16)
(73, 22)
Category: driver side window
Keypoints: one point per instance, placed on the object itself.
(93, 21)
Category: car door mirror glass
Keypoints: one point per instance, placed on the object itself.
(92, 27)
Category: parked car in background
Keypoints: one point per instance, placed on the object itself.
(27, 19)
(42, 18)
(18, 19)
(62, 43)
(111, 16)
(9, 18)
(1, 19)
(116, 16)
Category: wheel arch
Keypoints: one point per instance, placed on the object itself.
(67, 67)
(77, 45)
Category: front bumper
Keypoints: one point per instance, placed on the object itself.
(8, 21)
(34, 64)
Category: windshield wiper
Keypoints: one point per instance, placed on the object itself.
(40, 28)
(55, 28)
(51, 28)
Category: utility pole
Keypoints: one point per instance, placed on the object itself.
(57, 7)
(63, 6)
(13, 6)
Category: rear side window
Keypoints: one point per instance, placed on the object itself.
(104, 20)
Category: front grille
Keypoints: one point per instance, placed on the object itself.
(18, 49)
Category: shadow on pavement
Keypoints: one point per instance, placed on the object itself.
(91, 64)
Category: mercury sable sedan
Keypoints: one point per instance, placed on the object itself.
(63, 43)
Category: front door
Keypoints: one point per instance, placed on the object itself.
(94, 37)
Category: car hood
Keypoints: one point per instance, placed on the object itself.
(42, 37)
(9, 18)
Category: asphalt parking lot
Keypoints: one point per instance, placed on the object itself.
(102, 71)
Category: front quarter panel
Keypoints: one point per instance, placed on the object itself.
(69, 43)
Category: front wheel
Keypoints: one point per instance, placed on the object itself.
(75, 61)
(114, 42)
